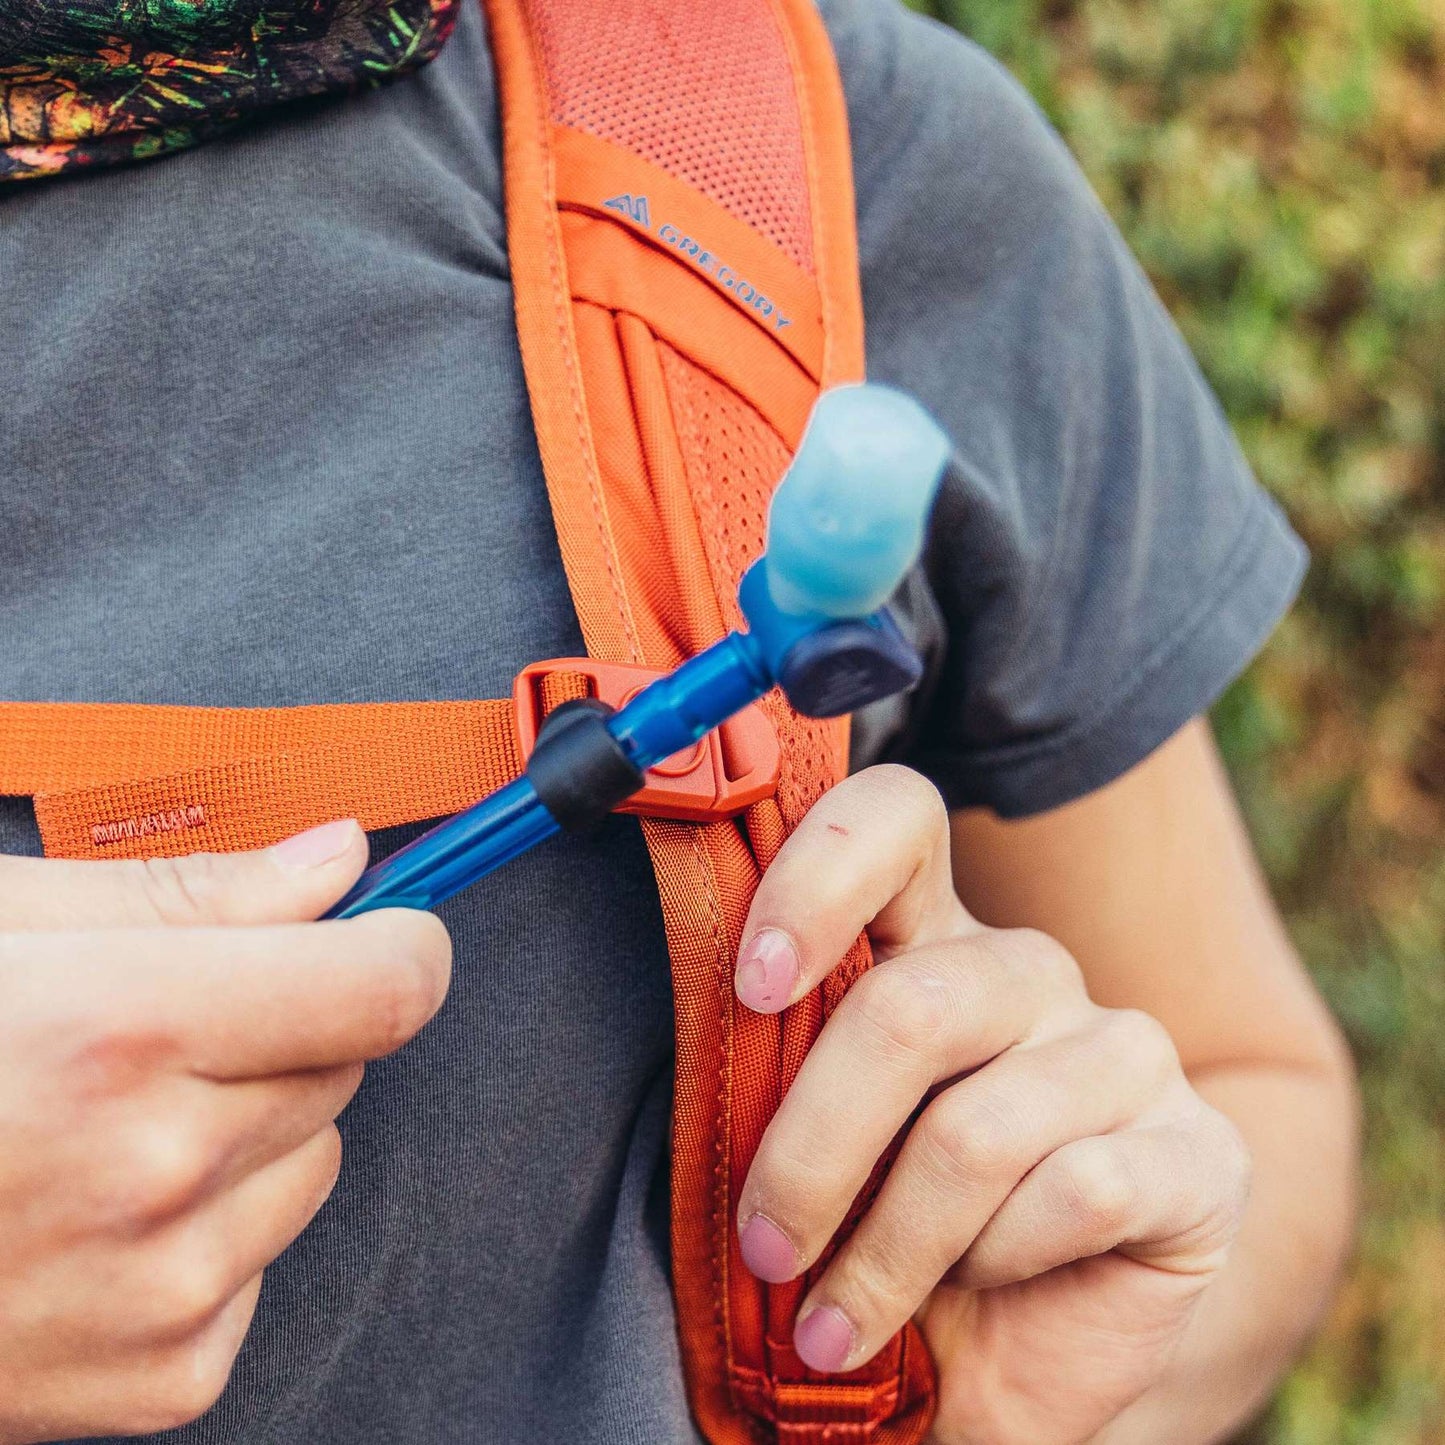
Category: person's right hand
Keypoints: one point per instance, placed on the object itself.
(176, 1039)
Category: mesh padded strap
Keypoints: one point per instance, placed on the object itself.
(678, 180)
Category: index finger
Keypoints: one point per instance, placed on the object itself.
(230, 1003)
(872, 853)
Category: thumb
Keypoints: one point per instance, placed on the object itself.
(291, 882)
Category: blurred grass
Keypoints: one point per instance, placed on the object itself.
(1279, 168)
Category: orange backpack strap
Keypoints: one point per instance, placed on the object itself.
(681, 233)
(131, 780)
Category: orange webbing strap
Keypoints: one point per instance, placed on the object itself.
(124, 780)
(680, 225)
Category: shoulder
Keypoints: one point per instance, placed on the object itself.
(882, 45)
(1102, 560)
(976, 227)
(941, 132)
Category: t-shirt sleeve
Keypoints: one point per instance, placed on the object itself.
(1102, 561)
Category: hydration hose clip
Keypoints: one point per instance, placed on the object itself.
(581, 774)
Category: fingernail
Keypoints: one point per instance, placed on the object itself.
(316, 845)
(767, 1251)
(768, 972)
(824, 1339)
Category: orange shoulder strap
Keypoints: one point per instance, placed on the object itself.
(681, 231)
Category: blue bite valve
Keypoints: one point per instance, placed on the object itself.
(848, 520)
(846, 524)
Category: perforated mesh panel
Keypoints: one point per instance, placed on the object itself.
(734, 460)
(702, 90)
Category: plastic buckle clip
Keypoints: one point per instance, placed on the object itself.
(731, 768)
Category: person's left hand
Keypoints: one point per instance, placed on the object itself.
(1063, 1197)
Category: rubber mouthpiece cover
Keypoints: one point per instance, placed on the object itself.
(848, 519)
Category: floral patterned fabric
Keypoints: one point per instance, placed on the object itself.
(90, 82)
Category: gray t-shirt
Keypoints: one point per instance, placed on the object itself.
(264, 439)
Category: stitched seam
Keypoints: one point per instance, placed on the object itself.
(803, 100)
(723, 1110)
(561, 304)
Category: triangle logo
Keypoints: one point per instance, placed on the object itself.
(633, 207)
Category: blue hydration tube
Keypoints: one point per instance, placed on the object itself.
(845, 525)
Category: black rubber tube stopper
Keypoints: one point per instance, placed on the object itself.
(579, 770)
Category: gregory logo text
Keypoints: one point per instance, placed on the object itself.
(636, 210)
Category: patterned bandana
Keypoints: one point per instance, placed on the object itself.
(93, 82)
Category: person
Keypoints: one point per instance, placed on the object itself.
(266, 442)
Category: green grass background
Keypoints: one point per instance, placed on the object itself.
(1279, 168)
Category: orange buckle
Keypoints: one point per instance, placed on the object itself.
(733, 767)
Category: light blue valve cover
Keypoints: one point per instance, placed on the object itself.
(848, 520)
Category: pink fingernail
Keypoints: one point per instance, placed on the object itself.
(316, 845)
(767, 1251)
(824, 1339)
(768, 972)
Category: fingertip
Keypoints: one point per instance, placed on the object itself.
(768, 1252)
(824, 1338)
(425, 938)
(330, 1165)
(401, 971)
(769, 971)
(314, 868)
(326, 844)
(438, 943)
